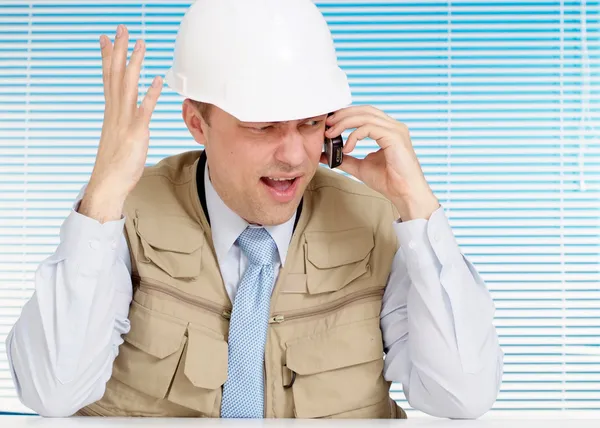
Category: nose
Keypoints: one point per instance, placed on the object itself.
(291, 150)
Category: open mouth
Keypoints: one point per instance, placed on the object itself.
(281, 189)
(279, 184)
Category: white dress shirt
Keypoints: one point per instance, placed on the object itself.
(436, 318)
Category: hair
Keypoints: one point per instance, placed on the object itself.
(203, 109)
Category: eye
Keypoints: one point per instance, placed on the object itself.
(260, 128)
(312, 123)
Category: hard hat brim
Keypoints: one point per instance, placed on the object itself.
(281, 96)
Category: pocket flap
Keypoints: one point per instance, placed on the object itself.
(170, 233)
(154, 333)
(344, 346)
(331, 249)
(206, 358)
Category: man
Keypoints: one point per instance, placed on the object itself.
(248, 281)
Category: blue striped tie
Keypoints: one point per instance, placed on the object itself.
(243, 392)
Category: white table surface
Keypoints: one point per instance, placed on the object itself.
(35, 421)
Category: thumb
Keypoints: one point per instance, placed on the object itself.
(350, 165)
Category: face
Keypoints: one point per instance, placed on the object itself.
(260, 170)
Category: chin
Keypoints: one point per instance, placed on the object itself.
(273, 216)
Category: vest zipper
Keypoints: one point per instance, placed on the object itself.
(326, 308)
(160, 287)
(225, 312)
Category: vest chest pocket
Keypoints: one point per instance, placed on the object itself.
(172, 244)
(338, 371)
(149, 356)
(202, 372)
(334, 259)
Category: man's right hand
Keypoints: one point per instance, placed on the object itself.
(125, 133)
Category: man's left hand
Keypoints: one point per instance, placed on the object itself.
(393, 170)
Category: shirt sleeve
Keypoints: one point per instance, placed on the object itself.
(63, 345)
(437, 324)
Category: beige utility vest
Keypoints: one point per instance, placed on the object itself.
(324, 350)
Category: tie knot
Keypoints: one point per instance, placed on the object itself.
(258, 245)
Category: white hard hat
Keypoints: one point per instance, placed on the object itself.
(259, 60)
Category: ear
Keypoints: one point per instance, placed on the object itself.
(194, 122)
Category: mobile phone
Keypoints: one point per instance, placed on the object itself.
(333, 150)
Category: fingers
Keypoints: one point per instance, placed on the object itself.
(119, 60)
(374, 132)
(144, 112)
(121, 80)
(130, 82)
(340, 124)
(358, 111)
(106, 49)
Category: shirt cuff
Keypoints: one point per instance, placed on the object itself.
(88, 240)
(427, 242)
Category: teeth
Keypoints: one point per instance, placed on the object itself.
(280, 179)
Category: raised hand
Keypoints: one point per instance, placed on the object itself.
(125, 134)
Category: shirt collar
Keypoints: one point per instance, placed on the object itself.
(227, 226)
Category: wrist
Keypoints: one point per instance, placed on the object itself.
(102, 203)
(417, 207)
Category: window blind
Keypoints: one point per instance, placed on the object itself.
(502, 99)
